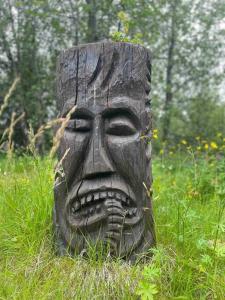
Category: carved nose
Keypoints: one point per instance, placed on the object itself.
(97, 161)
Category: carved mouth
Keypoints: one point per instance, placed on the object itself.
(94, 206)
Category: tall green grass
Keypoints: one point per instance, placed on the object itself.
(188, 263)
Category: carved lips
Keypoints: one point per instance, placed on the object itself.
(97, 205)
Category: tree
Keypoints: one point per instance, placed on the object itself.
(187, 49)
(21, 36)
(186, 39)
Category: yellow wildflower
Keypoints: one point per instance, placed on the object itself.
(184, 142)
(206, 146)
(155, 133)
(213, 145)
(161, 151)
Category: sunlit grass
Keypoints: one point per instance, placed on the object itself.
(189, 262)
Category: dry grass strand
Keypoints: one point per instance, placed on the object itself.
(60, 132)
(10, 132)
(8, 95)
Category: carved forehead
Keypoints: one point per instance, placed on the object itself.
(101, 105)
(103, 71)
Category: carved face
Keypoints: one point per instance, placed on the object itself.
(101, 196)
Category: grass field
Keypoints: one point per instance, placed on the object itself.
(189, 262)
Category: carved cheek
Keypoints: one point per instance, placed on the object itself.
(77, 143)
(127, 154)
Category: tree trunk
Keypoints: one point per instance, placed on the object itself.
(169, 80)
(74, 7)
(92, 24)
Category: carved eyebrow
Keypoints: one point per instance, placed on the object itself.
(79, 113)
(68, 105)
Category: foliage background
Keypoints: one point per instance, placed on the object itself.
(186, 38)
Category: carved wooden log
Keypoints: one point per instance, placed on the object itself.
(101, 195)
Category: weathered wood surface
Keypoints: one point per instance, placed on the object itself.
(101, 196)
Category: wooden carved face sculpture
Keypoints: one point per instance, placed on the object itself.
(101, 197)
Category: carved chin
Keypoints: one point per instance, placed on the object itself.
(111, 206)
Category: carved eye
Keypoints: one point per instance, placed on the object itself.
(120, 126)
(79, 125)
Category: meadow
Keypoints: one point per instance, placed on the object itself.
(188, 263)
(186, 43)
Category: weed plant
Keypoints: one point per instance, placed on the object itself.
(188, 263)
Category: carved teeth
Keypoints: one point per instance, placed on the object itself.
(108, 202)
(76, 206)
(123, 198)
(82, 201)
(111, 198)
(131, 212)
(118, 196)
(110, 194)
(89, 198)
(96, 196)
(103, 195)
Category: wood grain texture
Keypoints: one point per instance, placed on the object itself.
(101, 197)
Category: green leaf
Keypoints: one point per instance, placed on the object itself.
(146, 290)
